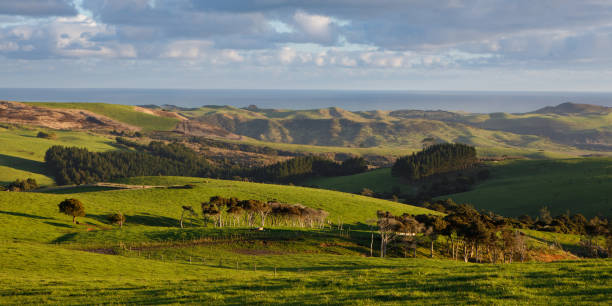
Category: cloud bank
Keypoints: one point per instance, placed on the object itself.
(313, 37)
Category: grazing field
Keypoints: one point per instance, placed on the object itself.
(121, 113)
(22, 153)
(31, 273)
(48, 259)
(158, 209)
(379, 180)
(581, 185)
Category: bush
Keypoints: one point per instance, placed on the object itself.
(45, 135)
(117, 218)
(22, 185)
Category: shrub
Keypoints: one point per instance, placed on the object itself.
(45, 135)
(22, 185)
(72, 207)
(117, 218)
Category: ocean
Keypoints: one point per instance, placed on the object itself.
(469, 101)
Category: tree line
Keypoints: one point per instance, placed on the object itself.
(222, 212)
(435, 159)
(72, 165)
(471, 235)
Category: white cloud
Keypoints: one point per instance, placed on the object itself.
(316, 26)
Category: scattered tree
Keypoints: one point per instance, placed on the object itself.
(72, 207)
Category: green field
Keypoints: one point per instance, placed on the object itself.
(379, 180)
(154, 261)
(581, 185)
(121, 113)
(22, 153)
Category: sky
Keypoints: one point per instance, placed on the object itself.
(482, 45)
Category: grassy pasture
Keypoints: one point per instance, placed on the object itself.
(156, 262)
(516, 187)
(33, 273)
(121, 113)
(581, 185)
(22, 153)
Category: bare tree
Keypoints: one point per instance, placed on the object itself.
(189, 210)
(387, 227)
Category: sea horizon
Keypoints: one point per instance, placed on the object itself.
(299, 99)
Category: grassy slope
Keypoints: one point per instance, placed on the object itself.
(122, 113)
(523, 186)
(60, 276)
(23, 154)
(308, 269)
(489, 142)
(379, 180)
(158, 209)
(581, 185)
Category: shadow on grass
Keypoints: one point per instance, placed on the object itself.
(24, 215)
(78, 189)
(23, 164)
(141, 219)
(58, 224)
(64, 238)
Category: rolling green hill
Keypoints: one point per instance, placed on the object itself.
(122, 113)
(549, 130)
(22, 153)
(518, 187)
(580, 185)
(151, 260)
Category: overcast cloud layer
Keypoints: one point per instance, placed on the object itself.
(350, 44)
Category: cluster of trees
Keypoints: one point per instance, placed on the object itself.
(305, 166)
(435, 159)
(565, 223)
(72, 165)
(470, 235)
(21, 185)
(234, 212)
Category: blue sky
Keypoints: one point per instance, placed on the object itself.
(544, 45)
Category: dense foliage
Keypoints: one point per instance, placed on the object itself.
(72, 165)
(438, 158)
(79, 166)
(305, 166)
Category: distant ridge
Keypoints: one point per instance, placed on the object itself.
(574, 108)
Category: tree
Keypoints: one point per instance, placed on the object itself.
(189, 210)
(387, 226)
(545, 215)
(117, 218)
(72, 207)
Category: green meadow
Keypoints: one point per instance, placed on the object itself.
(580, 185)
(22, 153)
(47, 259)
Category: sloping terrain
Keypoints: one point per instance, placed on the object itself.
(582, 185)
(20, 113)
(553, 129)
(48, 259)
